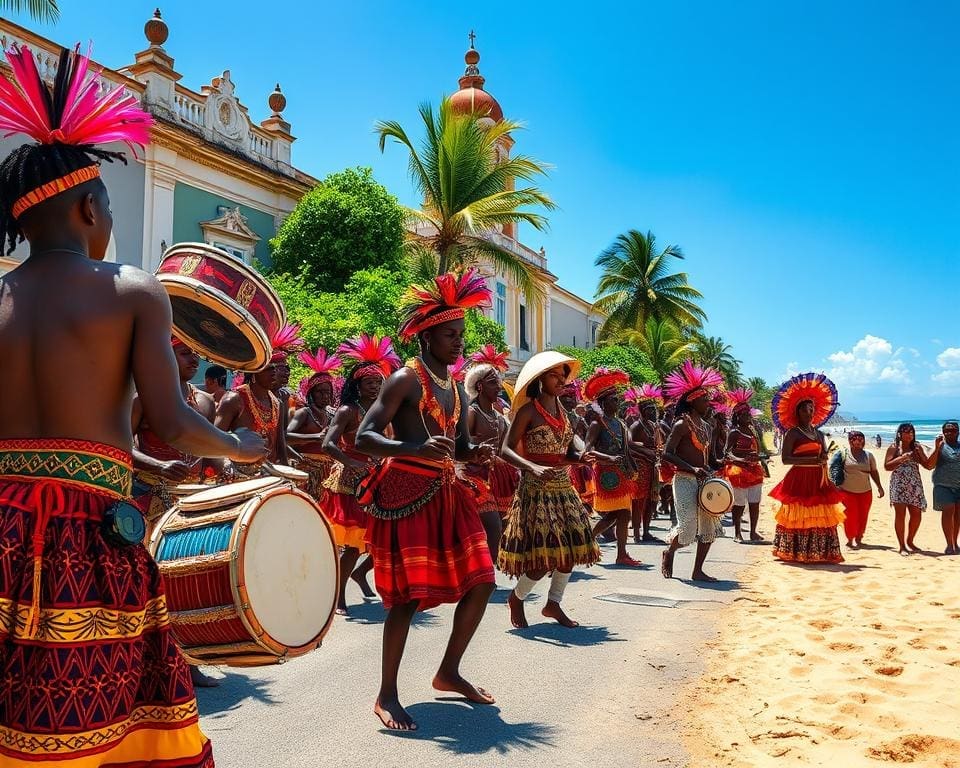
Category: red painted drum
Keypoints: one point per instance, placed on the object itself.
(222, 308)
(250, 572)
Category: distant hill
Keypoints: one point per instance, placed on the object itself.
(889, 416)
(843, 418)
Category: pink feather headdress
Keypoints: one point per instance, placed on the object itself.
(574, 388)
(77, 111)
(643, 394)
(374, 356)
(740, 400)
(458, 371)
(285, 342)
(322, 364)
(488, 355)
(446, 298)
(690, 382)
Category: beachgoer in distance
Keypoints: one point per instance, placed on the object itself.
(904, 458)
(859, 468)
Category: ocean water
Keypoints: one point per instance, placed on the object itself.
(927, 430)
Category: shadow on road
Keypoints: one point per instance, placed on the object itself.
(552, 633)
(374, 613)
(830, 567)
(461, 727)
(724, 585)
(235, 688)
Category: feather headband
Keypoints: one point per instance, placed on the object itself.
(740, 399)
(487, 354)
(805, 387)
(322, 364)
(77, 111)
(373, 355)
(285, 342)
(446, 298)
(604, 381)
(458, 371)
(690, 382)
(574, 388)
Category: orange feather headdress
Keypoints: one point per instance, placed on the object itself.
(604, 381)
(446, 298)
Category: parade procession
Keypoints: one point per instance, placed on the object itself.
(218, 474)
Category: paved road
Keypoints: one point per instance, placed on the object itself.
(598, 695)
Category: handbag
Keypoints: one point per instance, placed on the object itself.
(837, 471)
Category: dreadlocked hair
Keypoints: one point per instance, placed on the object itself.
(33, 165)
(351, 388)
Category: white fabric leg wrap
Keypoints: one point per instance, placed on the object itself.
(558, 585)
(524, 586)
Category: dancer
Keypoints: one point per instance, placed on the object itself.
(688, 450)
(252, 405)
(859, 468)
(427, 541)
(648, 439)
(719, 428)
(285, 342)
(904, 458)
(91, 673)
(498, 480)
(374, 360)
(580, 474)
(548, 528)
(945, 463)
(667, 470)
(608, 438)
(742, 466)
(215, 382)
(308, 427)
(810, 509)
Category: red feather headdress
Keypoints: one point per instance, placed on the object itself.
(77, 111)
(816, 388)
(604, 381)
(285, 342)
(374, 356)
(322, 364)
(488, 355)
(690, 382)
(447, 298)
(740, 399)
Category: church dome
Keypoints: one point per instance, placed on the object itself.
(471, 98)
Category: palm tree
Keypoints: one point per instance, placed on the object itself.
(714, 352)
(661, 341)
(39, 10)
(637, 284)
(467, 193)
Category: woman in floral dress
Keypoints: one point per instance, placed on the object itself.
(904, 459)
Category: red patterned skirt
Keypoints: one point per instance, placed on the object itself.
(581, 478)
(339, 503)
(807, 519)
(89, 670)
(499, 479)
(425, 535)
(644, 481)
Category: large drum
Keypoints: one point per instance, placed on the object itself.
(250, 571)
(222, 308)
(716, 496)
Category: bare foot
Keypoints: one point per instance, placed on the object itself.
(629, 561)
(361, 579)
(738, 537)
(754, 536)
(393, 716)
(517, 617)
(459, 685)
(666, 564)
(913, 547)
(701, 576)
(341, 609)
(850, 544)
(904, 552)
(552, 610)
(201, 680)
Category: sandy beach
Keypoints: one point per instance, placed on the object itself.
(855, 664)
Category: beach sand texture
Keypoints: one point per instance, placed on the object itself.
(856, 664)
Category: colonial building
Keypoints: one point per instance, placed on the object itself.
(211, 173)
(560, 317)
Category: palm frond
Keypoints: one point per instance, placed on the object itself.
(38, 10)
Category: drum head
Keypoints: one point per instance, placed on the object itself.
(716, 496)
(224, 495)
(187, 489)
(289, 569)
(215, 325)
(287, 473)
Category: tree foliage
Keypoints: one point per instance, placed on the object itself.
(627, 358)
(661, 341)
(348, 222)
(39, 10)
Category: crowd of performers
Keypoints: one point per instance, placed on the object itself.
(439, 480)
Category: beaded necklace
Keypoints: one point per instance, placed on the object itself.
(431, 406)
(264, 420)
(556, 423)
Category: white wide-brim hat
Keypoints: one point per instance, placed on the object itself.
(534, 368)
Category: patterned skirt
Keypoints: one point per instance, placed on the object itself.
(499, 480)
(614, 488)
(339, 503)
(548, 528)
(807, 519)
(317, 469)
(89, 671)
(437, 551)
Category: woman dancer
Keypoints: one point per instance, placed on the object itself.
(742, 467)
(945, 463)
(810, 509)
(548, 528)
(904, 458)
(375, 361)
(308, 427)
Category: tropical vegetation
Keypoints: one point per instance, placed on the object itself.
(40, 10)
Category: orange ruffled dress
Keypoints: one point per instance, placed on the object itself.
(809, 512)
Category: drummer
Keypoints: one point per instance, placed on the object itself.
(688, 449)
(252, 405)
(286, 342)
(156, 464)
(308, 427)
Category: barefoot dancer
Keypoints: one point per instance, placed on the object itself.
(308, 427)
(609, 439)
(374, 360)
(688, 449)
(648, 439)
(742, 466)
(810, 508)
(428, 544)
(548, 528)
(91, 672)
(488, 426)
(285, 342)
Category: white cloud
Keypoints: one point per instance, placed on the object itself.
(870, 361)
(949, 358)
(949, 378)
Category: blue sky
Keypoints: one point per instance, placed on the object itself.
(805, 156)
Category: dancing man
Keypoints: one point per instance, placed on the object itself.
(428, 544)
(742, 468)
(308, 427)
(548, 528)
(374, 360)
(91, 672)
(648, 441)
(608, 438)
(488, 426)
(688, 450)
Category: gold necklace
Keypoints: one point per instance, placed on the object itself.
(442, 383)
